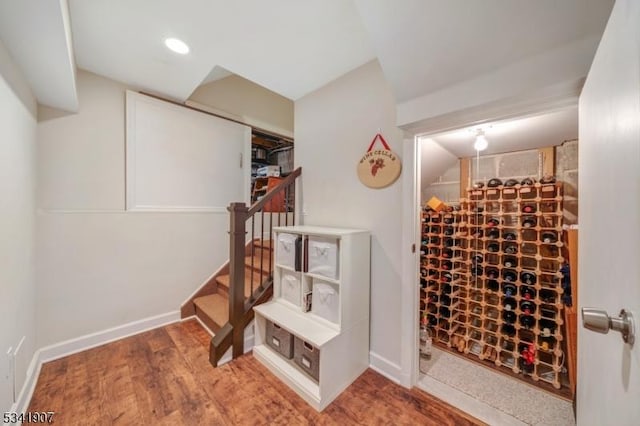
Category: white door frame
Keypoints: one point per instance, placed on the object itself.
(563, 96)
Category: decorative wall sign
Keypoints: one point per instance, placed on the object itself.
(379, 168)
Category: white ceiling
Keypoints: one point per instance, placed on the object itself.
(426, 45)
(37, 35)
(291, 47)
(288, 46)
(538, 131)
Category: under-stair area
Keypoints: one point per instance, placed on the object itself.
(213, 308)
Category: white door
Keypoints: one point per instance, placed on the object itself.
(608, 385)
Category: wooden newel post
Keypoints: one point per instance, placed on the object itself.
(237, 235)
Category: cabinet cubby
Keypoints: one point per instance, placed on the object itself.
(499, 299)
(331, 344)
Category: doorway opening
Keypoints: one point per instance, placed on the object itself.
(493, 293)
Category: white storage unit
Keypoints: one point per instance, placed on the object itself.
(332, 339)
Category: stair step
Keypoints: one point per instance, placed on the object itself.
(223, 281)
(260, 261)
(213, 310)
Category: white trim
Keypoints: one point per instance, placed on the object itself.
(82, 343)
(385, 367)
(131, 100)
(136, 210)
(33, 372)
(177, 209)
(467, 403)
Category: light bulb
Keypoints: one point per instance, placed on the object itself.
(481, 143)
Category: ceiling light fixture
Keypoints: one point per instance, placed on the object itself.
(177, 46)
(481, 142)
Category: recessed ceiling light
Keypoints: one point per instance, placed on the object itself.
(177, 46)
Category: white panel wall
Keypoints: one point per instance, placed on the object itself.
(178, 158)
(17, 226)
(333, 128)
(99, 266)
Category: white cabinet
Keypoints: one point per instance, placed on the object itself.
(331, 337)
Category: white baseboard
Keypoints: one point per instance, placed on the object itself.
(82, 343)
(385, 367)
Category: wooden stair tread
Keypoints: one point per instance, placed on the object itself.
(266, 244)
(215, 306)
(223, 280)
(264, 258)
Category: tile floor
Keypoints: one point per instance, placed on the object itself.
(491, 396)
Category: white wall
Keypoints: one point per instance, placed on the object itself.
(17, 225)
(333, 128)
(98, 265)
(247, 102)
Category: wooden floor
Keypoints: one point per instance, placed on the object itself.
(163, 377)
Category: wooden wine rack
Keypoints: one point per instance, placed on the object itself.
(465, 253)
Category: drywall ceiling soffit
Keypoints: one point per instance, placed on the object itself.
(38, 36)
(426, 45)
(287, 46)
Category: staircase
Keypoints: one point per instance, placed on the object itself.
(213, 309)
(225, 302)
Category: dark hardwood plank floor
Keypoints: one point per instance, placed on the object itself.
(163, 377)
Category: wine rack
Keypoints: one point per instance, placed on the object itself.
(491, 281)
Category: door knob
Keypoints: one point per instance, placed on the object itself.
(599, 321)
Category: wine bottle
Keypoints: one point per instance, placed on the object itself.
(448, 231)
(493, 285)
(527, 321)
(493, 247)
(527, 293)
(528, 278)
(529, 222)
(509, 275)
(509, 317)
(448, 242)
(493, 222)
(548, 296)
(446, 277)
(444, 312)
(529, 208)
(433, 320)
(527, 181)
(445, 300)
(510, 182)
(448, 220)
(510, 262)
(476, 270)
(446, 265)
(509, 236)
(493, 234)
(547, 327)
(494, 183)
(492, 273)
(446, 289)
(477, 258)
(508, 329)
(509, 290)
(509, 303)
(548, 179)
(549, 237)
(527, 307)
(511, 249)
